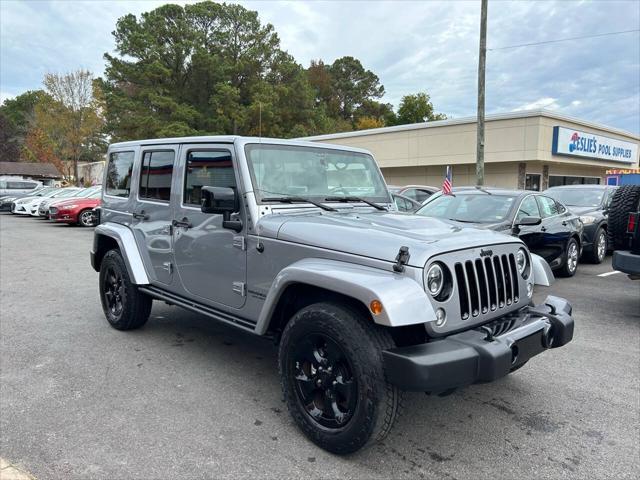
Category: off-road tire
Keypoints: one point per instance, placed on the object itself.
(593, 255)
(362, 341)
(565, 270)
(81, 220)
(136, 306)
(625, 200)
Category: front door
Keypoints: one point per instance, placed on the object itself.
(555, 231)
(210, 259)
(153, 213)
(531, 235)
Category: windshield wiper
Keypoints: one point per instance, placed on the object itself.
(463, 221)
(356, 199)
(288, 199)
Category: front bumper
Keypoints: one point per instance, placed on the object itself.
(479, 355)
(626, 262)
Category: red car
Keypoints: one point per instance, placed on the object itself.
(76, 211)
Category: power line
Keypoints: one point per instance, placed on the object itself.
(565, 39)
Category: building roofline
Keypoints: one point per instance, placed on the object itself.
(473, 119)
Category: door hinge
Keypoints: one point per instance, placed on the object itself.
(240, 288)
(168, 266)
(240, 242)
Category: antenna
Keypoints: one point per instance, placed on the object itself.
(260, 120)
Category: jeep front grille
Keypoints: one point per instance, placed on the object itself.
(486, 284)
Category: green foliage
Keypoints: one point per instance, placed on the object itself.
(417, 108)
(204, 68)
(9, 140)
(19, 111)
(210, 68)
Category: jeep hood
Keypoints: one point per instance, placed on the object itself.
(378, 235)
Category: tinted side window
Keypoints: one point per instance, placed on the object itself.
(155, 175)
(422, 195)
(528, 208)
(561, 208)
(548, 206)
(411, 193)
(119, 169)
(212, 168)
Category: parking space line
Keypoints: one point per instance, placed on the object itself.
(608, 273)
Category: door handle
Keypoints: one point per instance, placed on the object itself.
(543, 229)
(564, 223)
(184, 223)
(141, 215)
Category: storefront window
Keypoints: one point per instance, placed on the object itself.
(532, 182)
(559, 180)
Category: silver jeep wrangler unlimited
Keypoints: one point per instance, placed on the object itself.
(301, 242)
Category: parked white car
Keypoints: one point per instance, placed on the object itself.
(68, 192)
(46, 203)
(19, 206)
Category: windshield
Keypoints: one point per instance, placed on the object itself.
(314, 173)
(578, 197)
(472, 208)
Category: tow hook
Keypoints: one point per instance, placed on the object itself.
(489, 333)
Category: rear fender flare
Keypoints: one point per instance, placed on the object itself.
(403, 299)
(128, 248)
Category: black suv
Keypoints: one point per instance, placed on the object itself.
(591, 202)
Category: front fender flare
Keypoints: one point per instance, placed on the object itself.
(403, 299)
(128, 248)
(542, 274)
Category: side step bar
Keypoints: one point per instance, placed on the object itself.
(198, 308)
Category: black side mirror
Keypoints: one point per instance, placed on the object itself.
(222, 201)
(528, 222)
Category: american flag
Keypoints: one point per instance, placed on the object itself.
(446, 185)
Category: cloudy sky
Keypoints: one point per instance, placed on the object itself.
(412, 46)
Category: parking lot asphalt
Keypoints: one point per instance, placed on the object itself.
(186, 397)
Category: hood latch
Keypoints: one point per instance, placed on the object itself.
(402, 259)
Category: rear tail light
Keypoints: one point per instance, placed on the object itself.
(632, 224)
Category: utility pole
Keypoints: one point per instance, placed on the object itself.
(481, 74)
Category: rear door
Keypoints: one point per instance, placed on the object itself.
(153, 212)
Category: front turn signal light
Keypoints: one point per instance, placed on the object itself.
(376, 307)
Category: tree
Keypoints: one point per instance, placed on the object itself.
(70, 118)
(417, 108)
(204, 68)
(38, 147)
(16, 115)
(9, 146)
(353, 85)
(19, 110)
(364, 123)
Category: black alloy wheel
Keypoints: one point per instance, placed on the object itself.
(333, 380)
(114, 292)
(124, 306)
(325, 385)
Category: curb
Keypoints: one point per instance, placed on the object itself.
(11, 472)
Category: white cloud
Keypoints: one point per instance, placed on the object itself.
(547, 102)
(412, 46)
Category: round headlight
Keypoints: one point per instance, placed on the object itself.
(521, 261)
(435, 279)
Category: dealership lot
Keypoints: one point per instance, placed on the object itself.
(185, 396)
